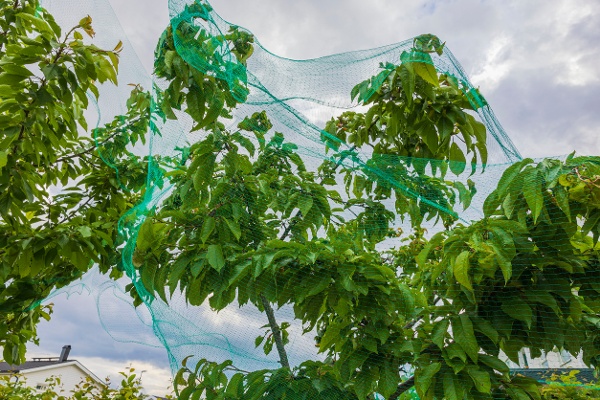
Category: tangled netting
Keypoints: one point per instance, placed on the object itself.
(300, 98)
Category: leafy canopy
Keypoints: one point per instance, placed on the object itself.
(60, 198)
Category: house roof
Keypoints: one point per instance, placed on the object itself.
(6, 367)
(583, 375)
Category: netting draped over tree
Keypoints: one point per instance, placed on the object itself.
(343, 226)
(298, 97)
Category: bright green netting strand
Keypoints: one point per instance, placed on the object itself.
(305, 102)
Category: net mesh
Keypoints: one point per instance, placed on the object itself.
(342, 180)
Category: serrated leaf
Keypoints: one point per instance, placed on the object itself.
(481, 379)
(305, 203)
(407, 79)
(207, 228)
(214, 256)
(362, 384)
(452, 387)
(432, 244)
(464, 335)
(517, 308)
(234, 227)
(388, 378)
(532, 191)
(427, 72)
(461, 270)
(439, 332)
(494, 363)
(331, 335)
(424, 378)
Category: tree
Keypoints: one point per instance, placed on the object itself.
(248, 222)
(60, 198)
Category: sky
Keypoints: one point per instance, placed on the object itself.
(535, 61)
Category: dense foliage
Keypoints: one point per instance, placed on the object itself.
(60, 199)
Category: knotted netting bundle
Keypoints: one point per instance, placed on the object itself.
(348, 227)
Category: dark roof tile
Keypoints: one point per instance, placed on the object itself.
(6, 367)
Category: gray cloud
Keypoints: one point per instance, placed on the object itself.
(506, 47)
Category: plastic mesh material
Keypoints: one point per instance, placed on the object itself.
(299, 97)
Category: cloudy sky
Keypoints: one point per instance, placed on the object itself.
(536, 62)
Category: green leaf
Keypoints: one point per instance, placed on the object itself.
(461, 270)
(464, 335)
(407, 79)
(362, 384)
(427, 72)
(38, 23)
(207, 228)
(233, 387)
(491, 204)
(432, 244)
(453, 389)
(494, 363)
(484, 326)
(204, 171)
(424, 378)
(258, 340)
(388, 378)
(15, 69)
(3, 159)
(481, 379)
(430, 137)
(85, 231)
(532, 191)
(331, 335)
(215, 109)
(214, 255)
(234, 227)
(196, 104)
(516, 393)
(561, 195)
(515, 307)
(439, 332)
(543, 297)
(305, 203)
(457, 159)
(7, 91)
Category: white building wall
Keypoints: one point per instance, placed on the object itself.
(70, 376)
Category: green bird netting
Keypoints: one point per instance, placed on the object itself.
(361, 218)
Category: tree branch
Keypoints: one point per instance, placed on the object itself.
(403, 387)
(283, 359)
